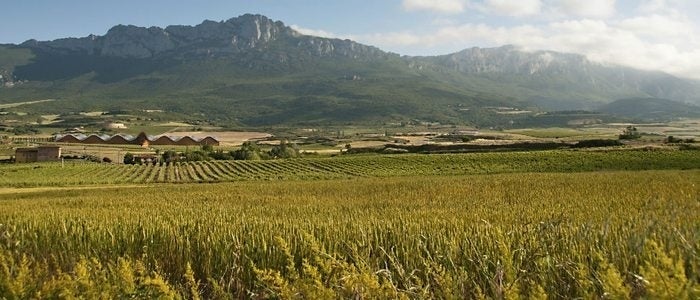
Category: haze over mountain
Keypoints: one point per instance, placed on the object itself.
(251, 70)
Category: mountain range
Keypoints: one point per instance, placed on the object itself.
(253, 71)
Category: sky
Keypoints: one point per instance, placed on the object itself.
(646, 34)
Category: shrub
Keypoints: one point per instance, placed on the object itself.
(129, 158)
(597, 143)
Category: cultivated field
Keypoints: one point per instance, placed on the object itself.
(550, 224)
(589, 235)
(81, 173)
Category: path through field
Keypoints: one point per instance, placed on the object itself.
(10, 105)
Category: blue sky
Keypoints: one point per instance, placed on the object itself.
(648, 34)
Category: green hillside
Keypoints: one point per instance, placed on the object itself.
(230, 73)
(651, 109)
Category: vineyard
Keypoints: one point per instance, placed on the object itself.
(81, 173)
(591, 235)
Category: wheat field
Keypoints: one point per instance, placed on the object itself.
(612, 235)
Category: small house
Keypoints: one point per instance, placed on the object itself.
(38, 154)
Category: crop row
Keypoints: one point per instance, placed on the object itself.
(79, 173)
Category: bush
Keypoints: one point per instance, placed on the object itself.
(597, 143)
(129, 159)
(671, 139)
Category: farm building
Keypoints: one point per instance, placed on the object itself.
(41, 153)
(142, 139)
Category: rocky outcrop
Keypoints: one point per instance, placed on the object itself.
(7, 79)
(566, 72)
(133, 41)
(507, 59)
(236, 35)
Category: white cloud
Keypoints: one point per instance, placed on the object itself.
(659, 27)
(514, 7)
(316, 32)
(656, 6)
(654, 35)
(441, 6)
(585, 8)
(627, 42)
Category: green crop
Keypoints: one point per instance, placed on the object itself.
(80, 173)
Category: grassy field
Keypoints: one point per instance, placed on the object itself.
(590, 235)
(575, 133)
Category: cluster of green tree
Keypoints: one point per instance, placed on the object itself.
(672, 140)
(22, 130)
(251, 151)
(248, 151)
(630, 133)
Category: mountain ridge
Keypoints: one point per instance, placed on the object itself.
(232, 36)
(253, 70)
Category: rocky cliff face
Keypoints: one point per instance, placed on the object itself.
(549, 70)
(236, 35)
(508, 60)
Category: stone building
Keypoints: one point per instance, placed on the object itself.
(41, 153)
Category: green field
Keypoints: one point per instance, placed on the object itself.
(556, 132)
(81, 173)
(556, 224)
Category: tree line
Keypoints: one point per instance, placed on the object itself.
(248, 151)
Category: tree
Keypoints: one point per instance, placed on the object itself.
(630, 133)
(220, 155)
(129, 159)
(284, 150)
(198, 155)
(169, 156)
(249, 151)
